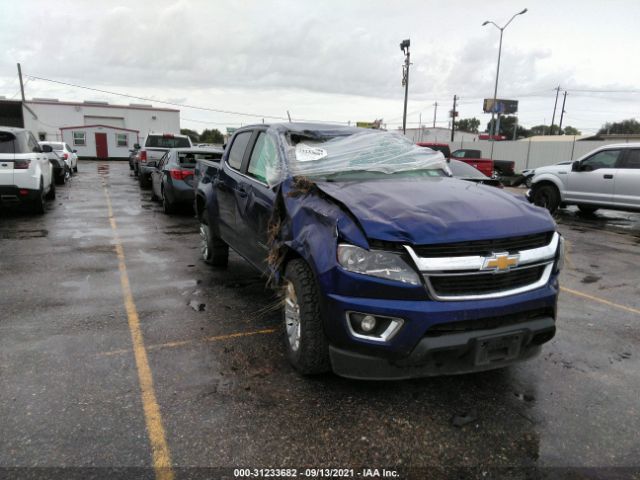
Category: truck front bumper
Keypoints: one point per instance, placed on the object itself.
(464, 352)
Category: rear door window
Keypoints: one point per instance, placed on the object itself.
(236, 154)
(632, 161)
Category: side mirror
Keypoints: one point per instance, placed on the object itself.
(46, 148)
(575, 166)
(136, 146)
(74, 151)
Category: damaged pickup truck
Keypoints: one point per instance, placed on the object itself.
(388, 267)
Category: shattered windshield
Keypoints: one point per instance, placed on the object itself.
(360, 156)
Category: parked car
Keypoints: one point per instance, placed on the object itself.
(607, 177)
(388, 267)
(172, 180)
(61, 170)
(26, 175)
(64, 150)
(132, 158)
(464, 171)
(500, 168)
(153, 148)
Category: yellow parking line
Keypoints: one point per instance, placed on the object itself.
(600, 300)
(181, 343)
(153, 419)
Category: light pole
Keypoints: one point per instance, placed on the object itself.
(495, 90)
(404, 46)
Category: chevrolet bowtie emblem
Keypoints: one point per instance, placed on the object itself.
(500, 262)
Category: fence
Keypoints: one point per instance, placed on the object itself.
(532, 154)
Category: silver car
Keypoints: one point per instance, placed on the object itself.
(608, 177)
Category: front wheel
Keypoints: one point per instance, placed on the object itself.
(168, 206)
(51, 194)
(546, 196)
(212, 249)
(305, 341)
(143, 180)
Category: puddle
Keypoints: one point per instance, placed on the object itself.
(103, 169)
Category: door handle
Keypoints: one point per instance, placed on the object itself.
(608, 176)
(242, 192)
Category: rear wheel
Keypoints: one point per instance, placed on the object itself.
(37, 205)
(546, 196)
(167, 205)
(212, 249)
(143, 180)
(589, 210)
(75, 169)
(51, 194)
(305, 341)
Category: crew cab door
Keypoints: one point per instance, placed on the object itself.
(230, 187)
(626, 190)
(255, 213)
(592, 180)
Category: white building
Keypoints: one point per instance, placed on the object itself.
(97, 129)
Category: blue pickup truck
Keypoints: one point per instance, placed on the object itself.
(388, 267)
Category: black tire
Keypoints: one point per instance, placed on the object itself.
(51, 194)
(212, 249)
(37, 206)
(311, 357)
(546, 196)
(143, 180)
(528, 182)
(75, 169)
(587, 209)
(61, 179)
(167, 206)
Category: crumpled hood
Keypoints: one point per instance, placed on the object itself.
(437, 210)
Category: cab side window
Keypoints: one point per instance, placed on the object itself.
(236, 154)
(264, 158)
(605, 159)
(632, 160)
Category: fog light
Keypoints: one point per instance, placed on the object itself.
(368, 323)
(377, 328)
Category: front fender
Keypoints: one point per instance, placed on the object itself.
(550, 178)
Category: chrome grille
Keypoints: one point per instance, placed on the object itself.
(484, 283)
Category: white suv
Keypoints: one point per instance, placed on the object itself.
(69, 156)
(26, 175)
(608, 177)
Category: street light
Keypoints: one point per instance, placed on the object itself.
(404, 46)
(495, 91)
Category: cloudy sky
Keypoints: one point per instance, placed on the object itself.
(329, 60)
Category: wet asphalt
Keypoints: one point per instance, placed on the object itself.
(70, 393)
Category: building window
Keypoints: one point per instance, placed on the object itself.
(121, 140)
(42, 136)
(79, 139)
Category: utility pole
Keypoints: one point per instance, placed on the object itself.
(562, 113)
(453, 117)
(21, 84)
(420, 126)
(515, 129)
(289, 116)
(404, 46)
(553, 119)
(435, 111)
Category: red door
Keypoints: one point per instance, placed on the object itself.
(102, 152)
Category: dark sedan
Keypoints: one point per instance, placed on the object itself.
(172, 179)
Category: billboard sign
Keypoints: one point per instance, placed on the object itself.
(504, 107)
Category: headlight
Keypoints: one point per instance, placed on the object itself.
(559, 256)
(376, 263)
